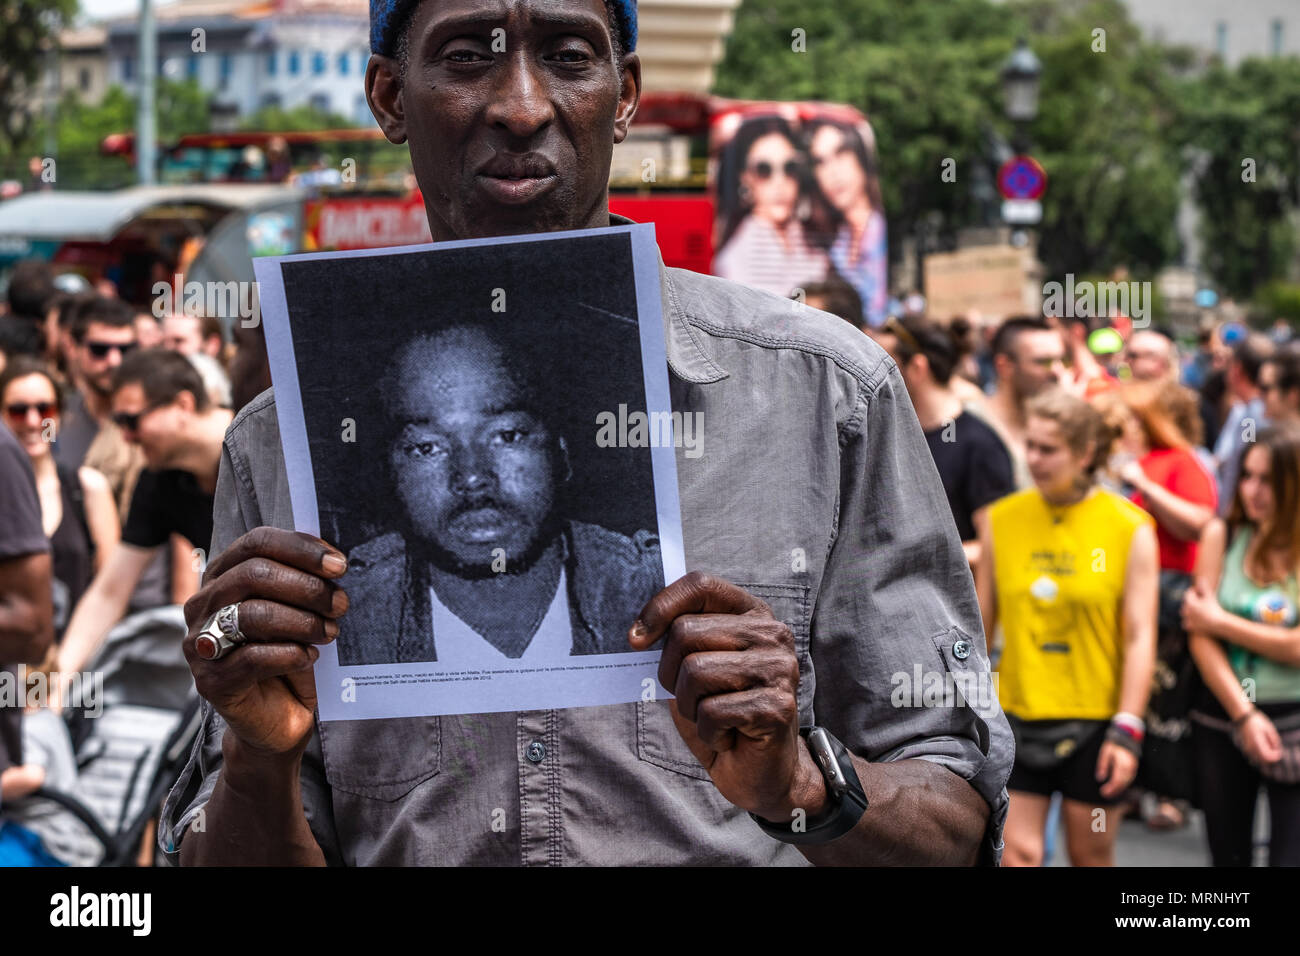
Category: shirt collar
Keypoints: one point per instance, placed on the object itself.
(686, 357)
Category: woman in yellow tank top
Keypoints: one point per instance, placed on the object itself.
(1071, 570)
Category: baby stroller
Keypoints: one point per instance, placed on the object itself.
(132, 743)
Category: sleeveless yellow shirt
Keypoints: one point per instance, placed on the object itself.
(1059, 574)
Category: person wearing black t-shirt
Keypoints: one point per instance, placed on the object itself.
(160, 404)
(972, 460)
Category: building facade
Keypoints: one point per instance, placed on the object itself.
(289, 53)
(1232, 30)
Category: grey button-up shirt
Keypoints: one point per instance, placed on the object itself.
(815, 491)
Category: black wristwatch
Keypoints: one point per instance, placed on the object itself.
(848, 801)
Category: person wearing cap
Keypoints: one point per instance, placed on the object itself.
(832, 563)
(1108, 344)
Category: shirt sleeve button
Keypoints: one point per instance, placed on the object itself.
(961, 650)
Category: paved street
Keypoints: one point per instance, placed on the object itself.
(1140, 846)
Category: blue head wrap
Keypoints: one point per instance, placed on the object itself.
(387, 15)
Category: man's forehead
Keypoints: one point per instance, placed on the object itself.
(503, 10)
(1040, 342)
(102, 330)
(1150, 342)
(388, 16)
(463, 359)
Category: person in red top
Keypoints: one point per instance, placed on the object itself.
(1162, 475)
(1166, 479)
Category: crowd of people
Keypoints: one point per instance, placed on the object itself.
(1132, 519)
(118, 415)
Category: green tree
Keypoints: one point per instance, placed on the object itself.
(28, 29)
(1242, 127)
(927, 77)
(80, 130)
(181, 108)
(276, 119)
(1106, 134)
(925, 74)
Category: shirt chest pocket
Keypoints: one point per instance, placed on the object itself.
(657, 740)
(381, 759)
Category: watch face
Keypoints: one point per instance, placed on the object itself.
(824, 752)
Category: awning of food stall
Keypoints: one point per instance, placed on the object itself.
(98, 216)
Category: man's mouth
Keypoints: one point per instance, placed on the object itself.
(511, 192)
(514, 180)
(481, 525)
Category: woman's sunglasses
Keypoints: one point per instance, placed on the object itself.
(19, 411)
(764, 170)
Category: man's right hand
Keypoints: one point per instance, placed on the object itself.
(283, 582)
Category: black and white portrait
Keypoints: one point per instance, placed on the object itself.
(452, 402)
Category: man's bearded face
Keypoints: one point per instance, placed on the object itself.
(473, 465)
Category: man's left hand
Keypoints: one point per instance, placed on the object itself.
(732, 667)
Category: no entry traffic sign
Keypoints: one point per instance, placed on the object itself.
(1022, 177)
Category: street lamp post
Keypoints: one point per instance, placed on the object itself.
(1021, 75)
(145, 111)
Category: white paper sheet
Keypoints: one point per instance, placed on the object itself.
(506, 398)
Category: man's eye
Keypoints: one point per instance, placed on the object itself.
(420, 449)
(511, 436)
(465, 56)
(571, 56)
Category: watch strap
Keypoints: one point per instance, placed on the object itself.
(846, 797)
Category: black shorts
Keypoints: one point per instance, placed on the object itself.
(1074, 776)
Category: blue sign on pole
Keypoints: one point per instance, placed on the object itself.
(1022, 177)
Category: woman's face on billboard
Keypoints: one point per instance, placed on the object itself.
(840, 176)
(771, 178)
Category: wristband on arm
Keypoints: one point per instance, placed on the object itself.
(1128, 732)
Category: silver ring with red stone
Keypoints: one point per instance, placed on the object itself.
(220, 635)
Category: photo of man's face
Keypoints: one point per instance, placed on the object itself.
(473, 463)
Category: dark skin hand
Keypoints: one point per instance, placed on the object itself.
(288, 602)
(26, 611)
(733, 671)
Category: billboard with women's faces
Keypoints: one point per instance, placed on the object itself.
(798, 201)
